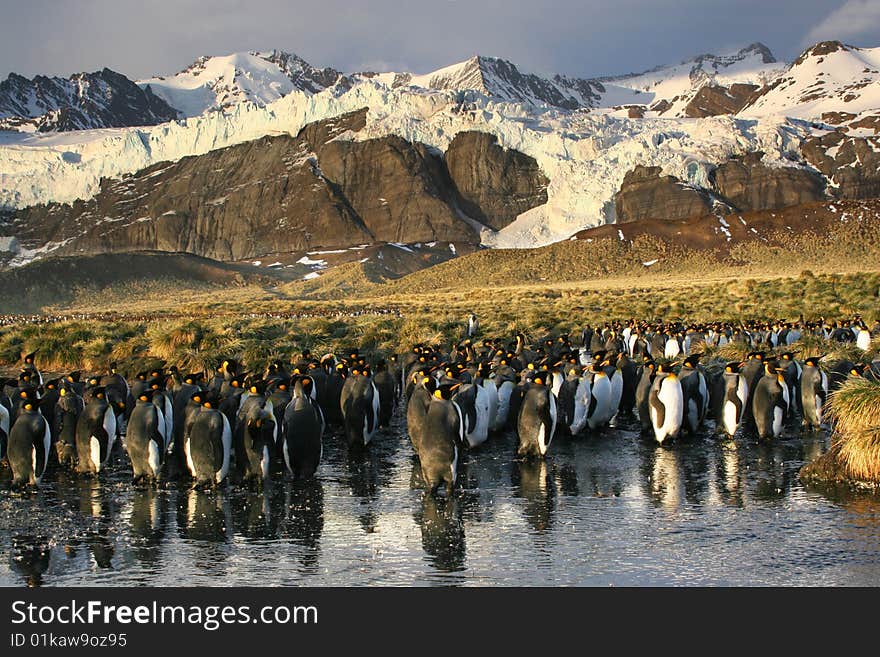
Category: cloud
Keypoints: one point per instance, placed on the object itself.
(855, 19)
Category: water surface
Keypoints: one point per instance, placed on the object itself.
(607, 510)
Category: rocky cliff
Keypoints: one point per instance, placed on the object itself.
(647, 194)
(284, 194)
(494, 184)
(747, 184)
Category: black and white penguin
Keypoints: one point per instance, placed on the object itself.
(443, 431)
(733, 404)
(208, 447)
(67, 411)
(630, 380)
(536, 424)
(303, 433)
(359, 403)
(696, 394)
(147, 437)
(814, 393)
(752, 369)
(770, 401)
(792, 371)
(95, 433)
(30, 367)
(5, 426)
(504, 381)
(666, 404)
(257, 442)
(386, 385)
(417, 407)
(473, 400)
(574, 401)
(473, 325)
(600, 410)
(30, 440)
(643, 392)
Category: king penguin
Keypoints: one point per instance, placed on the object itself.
(814, 393)
(770, 401)
(736, 395)
(666, 403)
(30, 440)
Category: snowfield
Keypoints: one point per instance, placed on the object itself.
(585, 153)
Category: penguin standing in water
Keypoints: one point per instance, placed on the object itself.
(574, 401)
(473, 400)
(696, 394)
(386, 385)
(505, 382)
(792, 372)
(257, 442)
(359, 403)
(208, 446)
(29, 442)
(666, 404)
(95, 433)
(770, 401)
(752, 370)
(417, 408)
(67, 411)
(814, 393)
(303, 432)
(736, 395)
(536, 423)
(643, 391)
(600, 410)
(147, 438)
(438, 448)
(5, 425)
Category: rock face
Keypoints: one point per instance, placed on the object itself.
(714, 100)
(494, 185)
(852, 164)
(104, 99)
(284, 194)
(747, 184)
(647, 194)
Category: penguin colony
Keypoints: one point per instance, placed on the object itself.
(252, 426)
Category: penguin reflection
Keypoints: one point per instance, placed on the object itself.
(304, 523)
(366, 472)
(665, 481)
(728, 474)
(96, 506)
(533, 482)
(258, 511)
(442, 525)
(204, 515)
(147, 523)
(30, 558)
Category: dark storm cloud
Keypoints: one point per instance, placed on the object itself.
(586, 38)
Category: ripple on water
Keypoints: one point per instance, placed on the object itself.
(611, 509)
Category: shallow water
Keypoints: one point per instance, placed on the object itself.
(607, 510)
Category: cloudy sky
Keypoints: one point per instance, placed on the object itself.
(575, 37)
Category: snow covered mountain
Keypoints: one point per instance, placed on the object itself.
(213, 83)
(104, 99)
(788, 131)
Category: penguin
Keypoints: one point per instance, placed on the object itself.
(257, 442)
(331, 401)
(736, 395)
(696, 394)
(417, 408)
(752, 369)
(30, 367)
(147, 438)
(814, 393)
(574, 401)
(95, 433)
(536, 423)
(666, 404)
(303, 433)
(672, 348)
(863, 339)
(163, 401)
(5, 426)
(30, 440)
(643, 391)
(599, 411)
(208, 446)
(629, 379)
(473, 400)
(385, 384)
(67, 411)
(770, 401)
(473, 325)
(504, 382)
(792, 375)
(438, 448)
(280, 396)
(359, 403)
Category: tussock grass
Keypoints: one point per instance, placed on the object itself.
(855, 409)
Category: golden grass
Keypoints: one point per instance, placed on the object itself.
(855, 409)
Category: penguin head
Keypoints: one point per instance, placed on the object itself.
(813, 361)
(198, 397)
(53, 384)
(446, 390)
(257, 387)
(142, 376)
(599, 356)
(666, 368)
(146, 396)
(692, 361)
(29, 358)
(99, 392)
(73, 377)
(113, 368)
(732, 368)
(210, 401)
(29, 399)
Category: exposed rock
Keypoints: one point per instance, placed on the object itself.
(852, 164)
(285, 194)
(714, 100)
(104, 99)
(400, 190)
(836, 118)
(494, 184)
(747, 184)
(646, 194)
